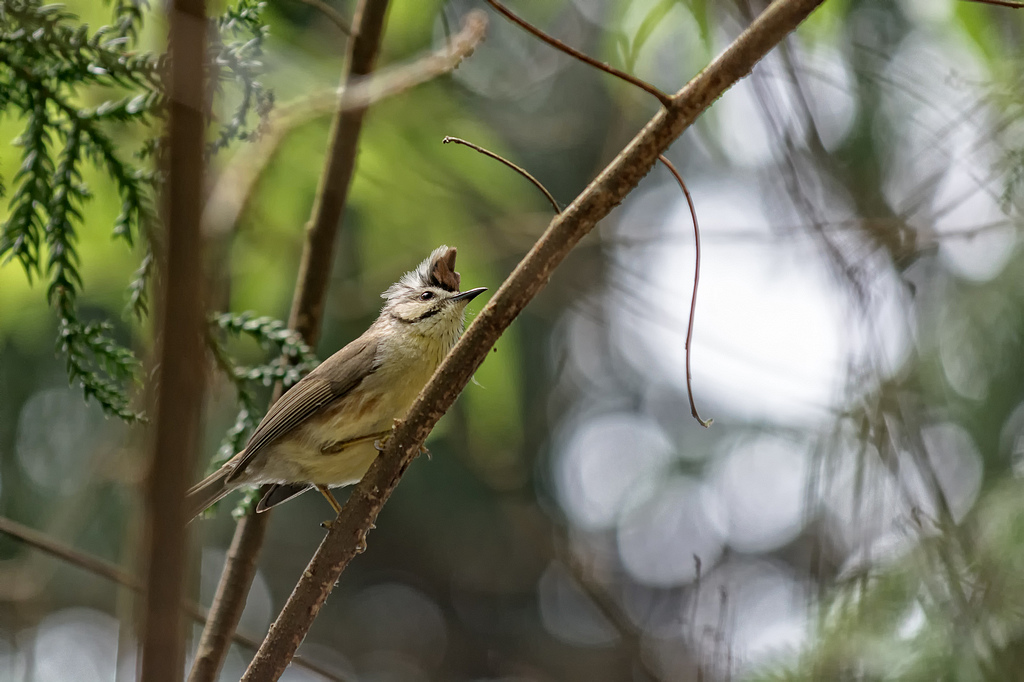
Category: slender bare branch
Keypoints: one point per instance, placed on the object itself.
(234, 186)
(44, 543)
(306, 316)
(334, 15)
(664, 98)
(1000, 3)
(706, 423)
(519, 169)
(613, 612)
(229, 599)
(348, 533)
(180, 342)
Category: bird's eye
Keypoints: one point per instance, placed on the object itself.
(426, 295)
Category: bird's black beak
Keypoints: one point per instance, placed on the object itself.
(468, 296)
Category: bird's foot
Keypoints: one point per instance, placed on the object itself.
(329, 496)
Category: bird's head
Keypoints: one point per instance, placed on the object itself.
(428, 299)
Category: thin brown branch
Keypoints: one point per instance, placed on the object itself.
(1000, 3)
(44, 543)
(664, 98)
(180, 339)
(234, 186)
(348, 533)
(318, 253)
(229, 599)
(305, 318)
(613, 612)
(706, 423)
(334, 15)
(519, 169)
(362, 92)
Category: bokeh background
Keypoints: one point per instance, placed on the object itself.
(856, 510)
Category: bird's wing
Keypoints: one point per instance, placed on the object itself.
(333, 379)
(281, 492)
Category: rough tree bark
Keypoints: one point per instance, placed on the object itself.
(181, 351)
(348, 534)
(307, 308)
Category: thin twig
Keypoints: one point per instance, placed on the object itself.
(1000, 3)
(361, 92)
(234, 186)
(347, 535)
(446, 29)
(334, 15)
(598, 594)
(180, 330)
(706, 423)
(664, 98)
(519, 169)
(44, 543)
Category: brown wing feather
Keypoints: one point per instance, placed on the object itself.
(333, 379)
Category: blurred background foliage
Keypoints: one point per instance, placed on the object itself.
(855, 513)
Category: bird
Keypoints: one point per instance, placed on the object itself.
(325, 431)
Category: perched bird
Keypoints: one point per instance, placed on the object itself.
(322, 432)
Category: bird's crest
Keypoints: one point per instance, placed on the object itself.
(436, 270)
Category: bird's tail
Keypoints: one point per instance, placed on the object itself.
(203, 494)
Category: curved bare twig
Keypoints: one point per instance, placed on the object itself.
(706, 423)
(519, 169)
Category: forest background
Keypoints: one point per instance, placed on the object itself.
(855, 512)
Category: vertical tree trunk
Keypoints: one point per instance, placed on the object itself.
(180, 350)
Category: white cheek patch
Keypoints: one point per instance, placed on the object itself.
(409, 311)
(406, 311)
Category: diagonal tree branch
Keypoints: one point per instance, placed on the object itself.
(1000, 3)
(114, 573)
(631, 636)
(307, 309)
(44, 543)
(348, 534)
(318, 254)
(235, 184)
